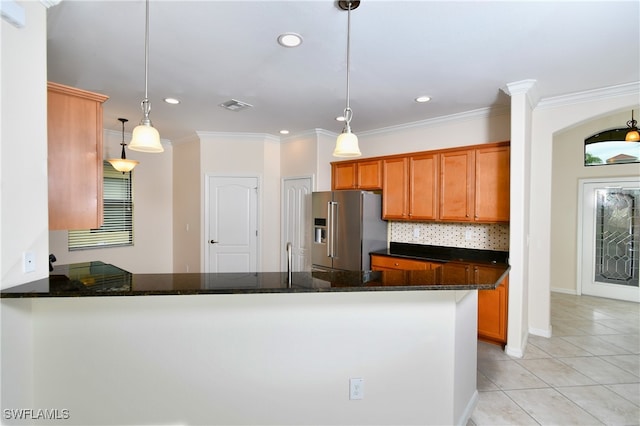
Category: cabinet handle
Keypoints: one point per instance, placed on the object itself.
(396, 264)
(213, 242)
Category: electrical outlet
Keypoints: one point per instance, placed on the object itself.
(356, 388)
(416, 232)
(468, 234)
(28, 261)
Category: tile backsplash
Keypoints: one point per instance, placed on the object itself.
(466, 235)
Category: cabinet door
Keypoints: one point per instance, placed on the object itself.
(379, 263)
(492, 312)
(369, 174)
(394, 188)
(423, 187)
(492, 184)
(455, 273)
(343, 175)
(456, 185)
(74, 129)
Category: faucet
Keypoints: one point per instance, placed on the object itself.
(289, 272)
(52, 259)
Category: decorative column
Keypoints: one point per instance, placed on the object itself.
(523, 101)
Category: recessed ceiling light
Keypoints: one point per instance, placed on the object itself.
(423, 99)
(290, 40)
(340, 118)
(172, 101)
(284, 132)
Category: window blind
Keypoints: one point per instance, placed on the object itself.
(117, 229)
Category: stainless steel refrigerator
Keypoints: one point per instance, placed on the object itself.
(347, 226)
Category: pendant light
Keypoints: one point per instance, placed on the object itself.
(122, 164)
(145, 137)
(632, 134)
(347, 142)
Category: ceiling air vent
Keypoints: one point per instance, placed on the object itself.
(234, 105)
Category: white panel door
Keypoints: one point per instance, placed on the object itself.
(232, 240)
(296, 222)
(610, 232)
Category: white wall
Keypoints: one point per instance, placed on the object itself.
(298, 155)
(472, 128)
(229, 154)
(567, 168)
(549, 118)
(152, 219)
(187, 183)
(23, 149)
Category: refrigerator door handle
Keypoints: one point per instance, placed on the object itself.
(332, 206)
(329, 229)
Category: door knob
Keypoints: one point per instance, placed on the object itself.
(213, 242)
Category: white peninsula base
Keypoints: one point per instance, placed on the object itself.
(260, 359)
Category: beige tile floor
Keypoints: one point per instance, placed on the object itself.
(587, 373)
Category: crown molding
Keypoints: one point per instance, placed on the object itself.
(309, 133)
(591, 95)
(50, 3)
(524, 87)
(461, 116)
(13, 13)
(233, 135)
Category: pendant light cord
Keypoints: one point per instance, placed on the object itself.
(146, 106)
(348, 113)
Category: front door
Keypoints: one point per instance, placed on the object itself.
(610, 213)
(232, 224)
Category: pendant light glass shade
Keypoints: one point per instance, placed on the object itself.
(632, 134)
(122, 164)
(145, 137)
(347, 145)
(347, 142)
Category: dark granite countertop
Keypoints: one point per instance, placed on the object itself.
(444, 254)
(94, 279)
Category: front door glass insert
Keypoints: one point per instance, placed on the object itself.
(617, 236)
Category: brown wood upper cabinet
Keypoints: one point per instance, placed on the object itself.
(492, 186)
(358, 174)
(469, 184)
(410, 187)
(456, 185)
(474, 184)
(74, 129)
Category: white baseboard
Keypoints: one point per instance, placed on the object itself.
(541, 332)
(468, 410)
(564, 291)
(517, 352)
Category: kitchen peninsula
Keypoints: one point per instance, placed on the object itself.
(263, 348)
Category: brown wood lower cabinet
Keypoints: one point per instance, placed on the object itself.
(381, 263)
(492, 304)
(403, 267)
(492, 314)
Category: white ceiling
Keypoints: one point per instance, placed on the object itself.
(461, 53)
